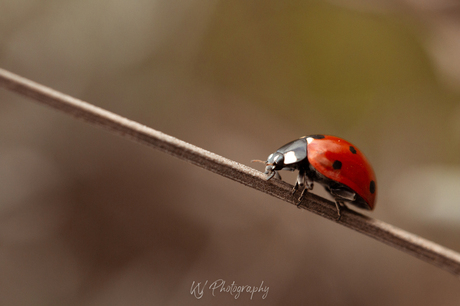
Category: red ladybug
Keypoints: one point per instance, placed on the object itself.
(332, 162)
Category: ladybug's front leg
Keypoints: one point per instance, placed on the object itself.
(294, 189)
(302, 181)
(308, 186)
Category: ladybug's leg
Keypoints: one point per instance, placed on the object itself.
(294, 189)
(269, 177)
(309, 183)
(308, 186)
(303, 180)
(300, 181)
(341, 195)
(337, 205)
(274, 174)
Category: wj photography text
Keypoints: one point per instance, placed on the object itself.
(220, 286)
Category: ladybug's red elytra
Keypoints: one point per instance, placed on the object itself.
(331, 161)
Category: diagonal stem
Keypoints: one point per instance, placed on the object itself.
(412, 244)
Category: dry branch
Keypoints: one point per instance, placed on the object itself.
(393, 236)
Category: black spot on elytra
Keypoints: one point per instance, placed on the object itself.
(337, 165)
(353, 150)
(372, 187)
(317, 136)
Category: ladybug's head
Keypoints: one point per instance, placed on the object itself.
(274, 162)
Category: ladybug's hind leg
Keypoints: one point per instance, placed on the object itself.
(340, 196)
(339, 205)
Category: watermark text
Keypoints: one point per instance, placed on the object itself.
(221, 286)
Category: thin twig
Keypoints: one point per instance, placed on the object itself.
(393, 236)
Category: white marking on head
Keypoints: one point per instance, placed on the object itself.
(270, 156)
(310, 140)
(290, 158)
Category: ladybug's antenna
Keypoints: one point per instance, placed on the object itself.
(258, 161)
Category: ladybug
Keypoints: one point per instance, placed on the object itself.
(330, 161)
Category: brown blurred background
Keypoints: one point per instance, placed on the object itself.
(88, 218)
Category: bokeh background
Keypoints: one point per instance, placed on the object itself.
(89, 218)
